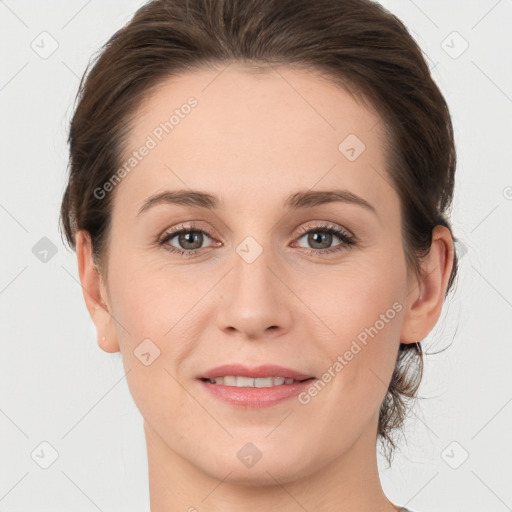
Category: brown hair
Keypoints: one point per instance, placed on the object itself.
(357, 44)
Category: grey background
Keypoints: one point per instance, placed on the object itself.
(58, 387)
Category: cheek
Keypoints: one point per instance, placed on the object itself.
(151, 299)
(157, 319)
(155, 338)
(360, 357)
(354, 299)
(363, 310)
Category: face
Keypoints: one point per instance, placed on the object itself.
(319, 287)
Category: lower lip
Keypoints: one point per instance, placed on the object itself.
(256, 398)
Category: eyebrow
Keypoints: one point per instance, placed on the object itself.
(297, 200)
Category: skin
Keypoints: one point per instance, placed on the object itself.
(253, 139)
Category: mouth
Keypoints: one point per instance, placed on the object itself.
(254, 382)
(254, 387)
(236, 374)
(254, 393)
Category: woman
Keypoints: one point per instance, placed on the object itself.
(258, 199)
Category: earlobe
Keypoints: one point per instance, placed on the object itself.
(93, 291)
(427, 297)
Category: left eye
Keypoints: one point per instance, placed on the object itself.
(326, 236)
(188, 240)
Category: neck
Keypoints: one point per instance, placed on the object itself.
(348, 483)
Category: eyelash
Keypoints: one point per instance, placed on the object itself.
(347, 240)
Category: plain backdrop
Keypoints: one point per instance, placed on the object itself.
(71, 437)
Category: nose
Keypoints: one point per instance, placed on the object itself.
(256, 303)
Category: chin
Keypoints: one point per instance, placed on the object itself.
(241, 470)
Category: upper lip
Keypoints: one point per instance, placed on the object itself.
(266, 370)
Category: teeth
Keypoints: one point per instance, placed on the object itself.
(249, 382)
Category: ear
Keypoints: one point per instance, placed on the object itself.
(95, 294)
(426, 295)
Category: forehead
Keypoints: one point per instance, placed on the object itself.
(247, 136)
